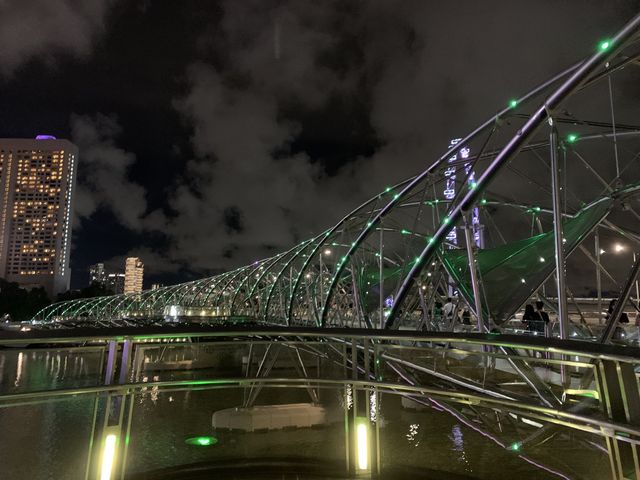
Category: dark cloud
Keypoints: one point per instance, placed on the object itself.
(103, 173)
(43, 28)
(424, 75)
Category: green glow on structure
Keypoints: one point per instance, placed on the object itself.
(203, 441)
(515, 447)
(483, 201)
(446, 220)
(572, 137)
(388, 189)
(473, 185)
(604, 45)
(513, 103)
(405, 232)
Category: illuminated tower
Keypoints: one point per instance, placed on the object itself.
(133, 275)
(37, 179)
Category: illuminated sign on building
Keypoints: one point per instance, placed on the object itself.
(450, 191)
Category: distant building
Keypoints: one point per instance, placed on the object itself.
(133, 275)
(37, 179)
(115, 282)
(156, 286)
(97, 274)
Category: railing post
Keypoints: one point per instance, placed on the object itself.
(360, 432)
(621, 402)
(108, 462)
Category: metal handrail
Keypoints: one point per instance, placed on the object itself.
(81, 335)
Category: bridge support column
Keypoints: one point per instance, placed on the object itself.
(618, 387)
(361, 414)
(108, 448)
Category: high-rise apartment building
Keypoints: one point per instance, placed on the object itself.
(133, 275)
(97, 274)
(37, 179)
(115, 282)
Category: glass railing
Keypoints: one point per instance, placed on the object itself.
(317, 404)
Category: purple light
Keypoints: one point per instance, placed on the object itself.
(45, 137)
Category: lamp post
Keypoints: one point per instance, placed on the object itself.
(619, 248)
(326, 252)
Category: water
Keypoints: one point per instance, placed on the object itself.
(51, 440)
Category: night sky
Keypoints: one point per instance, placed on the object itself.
(213, 133)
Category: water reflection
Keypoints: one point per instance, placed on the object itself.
(425, 438)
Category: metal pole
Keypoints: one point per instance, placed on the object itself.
(320, 280)
(557, 231)
(613, 124)
(598, 276)
(637, 289)
(612, 321)
(468, 237)
(381, 279)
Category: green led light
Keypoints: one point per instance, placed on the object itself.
(473, 185)
(446, 220)
(537, 209)
(417, 259)
(604, 45)
(513, 103)
(203, 441)
(483, 201)
(572, 137)
(396, 196)
(431, 240)
(405, 232)
(515, 447)
(387, 190)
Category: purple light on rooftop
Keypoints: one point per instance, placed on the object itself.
(45, 137)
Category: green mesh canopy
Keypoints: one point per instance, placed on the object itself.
(511, 273)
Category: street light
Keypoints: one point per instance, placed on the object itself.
(327, 252)
(618, 247)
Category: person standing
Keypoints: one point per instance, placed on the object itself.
(544, 318)
(530, 317)
(447, 310)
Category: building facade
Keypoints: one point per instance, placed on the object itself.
(37, 180)
(115, 282)
(97, 274)
(133, 275)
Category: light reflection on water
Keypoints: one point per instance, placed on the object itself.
(50, 440)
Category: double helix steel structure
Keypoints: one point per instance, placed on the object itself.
(495, 219)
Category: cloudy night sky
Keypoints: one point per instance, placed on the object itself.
(213, 133)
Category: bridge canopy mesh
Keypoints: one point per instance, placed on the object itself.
(511, 273)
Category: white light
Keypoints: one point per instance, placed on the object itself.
(363, 450)
(522, 280)
(602, 251)
(327, 251)
(542, 259)
(618, 248)
(108, 455)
